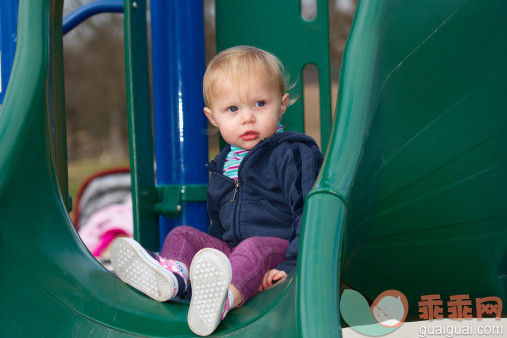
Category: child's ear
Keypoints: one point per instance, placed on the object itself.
(209, 115)
(285, 104)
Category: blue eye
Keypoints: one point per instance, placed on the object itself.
(260, 103)
(232, 109)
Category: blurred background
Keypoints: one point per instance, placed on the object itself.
(95, 85)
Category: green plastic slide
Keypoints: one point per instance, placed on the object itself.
(410, 197)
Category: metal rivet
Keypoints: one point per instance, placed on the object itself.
(134, 5)
(179, 208)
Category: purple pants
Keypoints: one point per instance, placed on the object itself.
(250, 259)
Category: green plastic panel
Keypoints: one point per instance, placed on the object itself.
(56, 104)
(319, 265)
(278, 27)
(419, 150)
(142, 172)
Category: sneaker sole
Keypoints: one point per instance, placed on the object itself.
(210, 275)
(138, 269)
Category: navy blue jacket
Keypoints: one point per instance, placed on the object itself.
(267, 200)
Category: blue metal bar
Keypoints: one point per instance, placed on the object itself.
(8, 34)
(181, 144)
(91, 9)
(8, 30)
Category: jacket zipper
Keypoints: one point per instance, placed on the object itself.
(235, 191)
(235, 229)
(235, 225)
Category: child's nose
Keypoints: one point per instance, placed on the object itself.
(247, 116)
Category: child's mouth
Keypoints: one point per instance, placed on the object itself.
(249, 135)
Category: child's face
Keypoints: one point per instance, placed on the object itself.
(246, 116)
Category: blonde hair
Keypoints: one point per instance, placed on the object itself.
(242, 62)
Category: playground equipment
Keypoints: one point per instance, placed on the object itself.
(410, 196)
(9, 18)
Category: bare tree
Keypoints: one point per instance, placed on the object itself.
(95, 89)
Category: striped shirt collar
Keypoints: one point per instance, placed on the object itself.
(240, 153)
(236, 155)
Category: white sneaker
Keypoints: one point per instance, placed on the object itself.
(210, 276)
(136, 267)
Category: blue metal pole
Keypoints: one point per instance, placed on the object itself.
(181, 144)
(8, 34)
(90, 9)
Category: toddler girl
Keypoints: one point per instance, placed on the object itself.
(256, 194)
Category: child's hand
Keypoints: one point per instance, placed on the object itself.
(271, 276)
